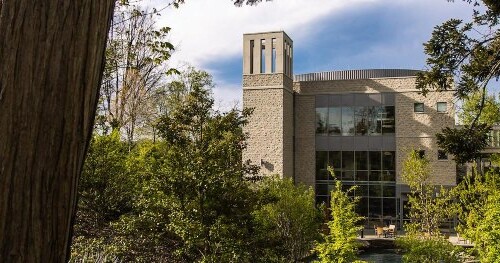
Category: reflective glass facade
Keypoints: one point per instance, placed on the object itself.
(372, 171)
(348, 128)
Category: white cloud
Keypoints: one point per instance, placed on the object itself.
(209, 30)
(227, 97)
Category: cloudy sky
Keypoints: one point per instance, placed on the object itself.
(327, 34)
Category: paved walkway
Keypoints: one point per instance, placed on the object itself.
(453, 239)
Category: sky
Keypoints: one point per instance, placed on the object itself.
(327, 34)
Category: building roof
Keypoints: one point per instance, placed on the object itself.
(357, 74)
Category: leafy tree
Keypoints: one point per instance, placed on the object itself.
(468, 54)
(479, 215)
(106, 187)
(490, 112)
(204, 177)
(340, 244)
(286, 221)
(428, 208)
(136, 56)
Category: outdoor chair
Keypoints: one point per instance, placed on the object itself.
(391, 231)
(379, 231)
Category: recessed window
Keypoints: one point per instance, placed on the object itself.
(418, 107)
(251, 56)
(441, 106)
(442, 155)
(273, 56)
(262, 56)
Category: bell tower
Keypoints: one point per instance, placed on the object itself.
(268, 89)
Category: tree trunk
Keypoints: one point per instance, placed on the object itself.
(51, 61)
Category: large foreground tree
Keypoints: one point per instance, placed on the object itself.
(51, 55)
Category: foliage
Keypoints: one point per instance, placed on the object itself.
(204, 176)
(468, 54)
(480, 213)
(286, 221)
(432, 249)
(340, 244)
(428, 207)
(490, 113)
(135, 69)
(466, 143)
(106, 189)
(92, 250)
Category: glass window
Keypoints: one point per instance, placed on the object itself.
(362, 207)
(321, 120)
(361, 175)
(375, 206)
(362, 190)
(375, 190)
(273, 57)
(442, 155)
(262, 56)
(388, 160)
(321, 163)
(334, 160)
(389, 207)
(322, 189)
(347, 121)
(375, 162)
(334, 120)
(374, 120)
(348, 176)
(389, 191)
(322, 200)
(346, 187)
(375, 176)
(388, 176)
(361, 160)
(441, 107)
(251, 56)
(348, 160)
(361, 120)
(387, 119)
(418, 107)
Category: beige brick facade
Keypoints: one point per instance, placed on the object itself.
(282, 137)
(270, 128)
(282, 128)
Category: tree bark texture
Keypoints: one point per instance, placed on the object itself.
(51, 61)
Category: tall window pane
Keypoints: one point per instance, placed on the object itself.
(273, 57)
(388, 120)
(361, 120)
(335, 160)
(348, 160)
(262, 56)
(388, 160)
(347, 121)
(361, 160)
(321, 120)
(321, 164)
(374, 122)
(334, 120)
(375, 162)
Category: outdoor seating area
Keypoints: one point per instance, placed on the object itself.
(385, 231)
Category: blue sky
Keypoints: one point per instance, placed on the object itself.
(327, 34)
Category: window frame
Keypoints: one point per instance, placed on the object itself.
(415, 107)
(439, 157)
(445, 104)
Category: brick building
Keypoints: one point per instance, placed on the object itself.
(363, 123)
